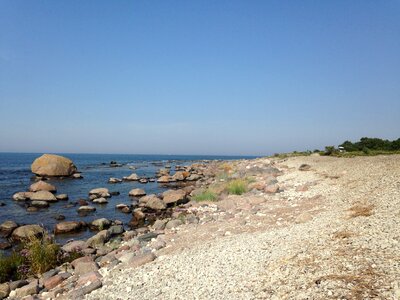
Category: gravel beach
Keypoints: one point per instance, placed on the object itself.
(331, 233)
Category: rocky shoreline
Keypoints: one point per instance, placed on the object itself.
(304, 228)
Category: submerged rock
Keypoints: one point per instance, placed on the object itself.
(7, 227)
(69, 226)
(137, 193)
(62, 197)
(100, 192)
(53, 165)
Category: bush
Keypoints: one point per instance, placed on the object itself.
(10, 266)
(42, 254)
(207, 195)
(237, 187)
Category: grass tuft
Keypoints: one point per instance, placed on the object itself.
(207, 195)
(361, 210)
(237, 187)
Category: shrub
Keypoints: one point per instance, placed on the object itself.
(237, 187)
(207, 195)
(10, 266)
(43, 254)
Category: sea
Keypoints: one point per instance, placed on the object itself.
(16, 176)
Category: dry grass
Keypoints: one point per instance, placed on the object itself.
(361, 210)
(343, 234)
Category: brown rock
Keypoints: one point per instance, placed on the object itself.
(132, 177)
(27, 231)
(271, 189)
(152, 202)
(164, 179)
(137, 193)
(174, 196)
(43, 196)
(26, 290)
(42, 186)
(304, 167)
(7, 227)
(88, 277)
(100, 192)
(69, 226)
(4, 290)
(53, 165)
(52, 282)
(141, 259)
(22, 196)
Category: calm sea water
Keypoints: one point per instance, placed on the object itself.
(15, 176)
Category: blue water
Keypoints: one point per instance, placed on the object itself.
(15, 176)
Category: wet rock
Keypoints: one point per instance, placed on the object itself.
(115, 230)
(42, 186)
(86, 208)
(43, 196)
(53, 165)
(132, 177)
(100, 192)
(114, 180)
(2, 203)
(82, 202)
(32, 209)
(40, 204)
(7, 227)
(74, 246)
(98, 240)
(100, 200)
(100, 224)
(304, 167)
(59, 217)
(143, 180)
(77, 176)
(26, 232)
(62, 197)
(174, 196)
(115, 193)
(164, 179)
(160, 224)
(137, 193)
(69, 226)
(152, 202)
(147, 237)
(22, 196)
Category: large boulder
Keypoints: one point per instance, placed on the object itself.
(42, 186)
(53, 165)
(100, 192)
(100, 224)
(174, 196)
(43, 196)
(164, 179)
(69, 226)
(27, 231)
(22, 196)
(7, 227)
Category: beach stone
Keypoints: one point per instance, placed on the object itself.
(69, 226)
(77, 176)
(29, 289)
(137, 193)
(304, 167)
(115, 230)
(43, 196)
(100, 192)
(62, 197)
(114, 180)
(79, 292)
(42, 186)
(27, 231)
(271, 189)
(303, 218)
(74, 246)
(180, 176)
(174, 196)
(160, 224)
(53, 281)
(173, 224)
(140, 260)
(100, 200)
(40, 204)
(86, 208)
(193, 177)
(53, 165)
(17, 284)
(132, 177)
(7, 227)
(22, 196)
(126, 210)
(88, 277)
(152, 202)
(98, 239)
(4, 290)
(164, 179)
(100, 224)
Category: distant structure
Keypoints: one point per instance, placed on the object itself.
(341, 149)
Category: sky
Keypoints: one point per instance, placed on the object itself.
(197, 77)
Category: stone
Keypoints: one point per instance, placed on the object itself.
(164, 179)
(193, 177)
(82, 202)
(32, 209)
(100, 192)
(303, 218)
(74, 246)
(53, 165)
(62, 197)
(77, 176)
(173, 224)
(163, 172)
(81, 291)
(22, 196)
(86, 267)
(98, 239)
(271, 189)
(59, 217)
(126, 210)
(86, 208)
(141, 259)
(302, 188)
(7, 227)
(120, 206)
(17, 284)
(53, 281)
(100, 224)
(88, 278)
(114, 180)
(40, 204)
(304, 167)
(69, 226)
(180, 176)
(137, 193)
(29, 289)
(26, 232)
(132, 177)
(174, 196)
(43, 196)
(4, 290)
(152, 202)
(160, 224)
(5, 245)
(115, 230)
(147, 237)
(42, 186)
(143, 180)
(100, 200)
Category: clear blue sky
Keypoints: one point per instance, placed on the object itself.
(197, 77)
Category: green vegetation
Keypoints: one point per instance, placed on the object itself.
(237, 186)
(33, 257)
(207, 195)
(366, 144)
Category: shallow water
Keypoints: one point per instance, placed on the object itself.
(15, 176)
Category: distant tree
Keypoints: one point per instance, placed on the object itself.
(329, 150)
